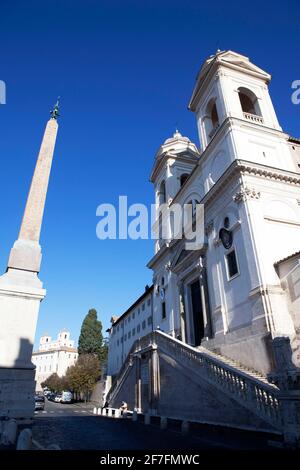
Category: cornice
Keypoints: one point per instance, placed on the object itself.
(244, 167)
(181, 156)
(226, 125)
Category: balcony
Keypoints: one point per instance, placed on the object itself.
(253, 118)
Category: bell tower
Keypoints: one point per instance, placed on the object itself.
(174, 161)
(232, 103)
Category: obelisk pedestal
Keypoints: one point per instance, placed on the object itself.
(21, 292)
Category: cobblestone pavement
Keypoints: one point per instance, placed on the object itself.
(76, 428)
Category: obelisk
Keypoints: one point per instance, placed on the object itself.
(21, 292)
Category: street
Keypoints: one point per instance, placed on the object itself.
(74, 427)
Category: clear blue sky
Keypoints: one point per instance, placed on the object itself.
(125, 71)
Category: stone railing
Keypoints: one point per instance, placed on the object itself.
(138, 345)
(121, 375)
(256, 395)
(253, 118)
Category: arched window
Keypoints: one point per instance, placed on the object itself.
(211, 118)
(249, 102)
(162, 193)
(183, 178)
(214, 116)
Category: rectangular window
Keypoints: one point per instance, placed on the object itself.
(232, 266)
(129, 319)
(133, 315)
(149, 320)
(148, 302)
(138, 328)
(133, 331)
(143, 307)
(129, 334)
(144, 324)
(163, 310)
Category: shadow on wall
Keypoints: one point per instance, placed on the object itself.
(23, 357)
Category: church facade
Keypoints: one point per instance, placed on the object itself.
(228, 296)
(225, 341)
(233, 295)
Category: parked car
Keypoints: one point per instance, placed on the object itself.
(51, 396)
(39, 402)
(66, 397)
(46, 393)
(58, 398)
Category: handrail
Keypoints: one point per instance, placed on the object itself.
(260, 397)
(250, 391)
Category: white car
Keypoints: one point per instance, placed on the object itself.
(58, 398)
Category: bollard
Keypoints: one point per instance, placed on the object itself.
(24, 440)
(9, 432)
(99, 411)
(117, 413)
(185, 427)
(134, 415)
(163, 422)
(147, 418)
(110, 412)
(95, 411)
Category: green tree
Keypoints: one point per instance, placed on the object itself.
(91, 338)
(53, 382)
(83, 376)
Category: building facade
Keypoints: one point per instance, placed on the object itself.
(53, 356)
(230, 295)
(135, 322)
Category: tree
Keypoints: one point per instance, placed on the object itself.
(91, 338)
(83, 376)
(53, 382)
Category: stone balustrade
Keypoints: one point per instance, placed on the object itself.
(253, 118)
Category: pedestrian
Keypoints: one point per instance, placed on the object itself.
(123, 407)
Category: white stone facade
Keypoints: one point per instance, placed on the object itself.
(231, 298)
(136, 322)
(53, 357)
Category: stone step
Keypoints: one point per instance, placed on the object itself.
(234, 364)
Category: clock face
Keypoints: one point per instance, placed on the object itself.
(226, 238)
(162, 293)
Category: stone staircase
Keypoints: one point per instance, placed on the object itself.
(237, 365)
(223, 376)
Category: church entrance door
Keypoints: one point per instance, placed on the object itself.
(197, 312)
